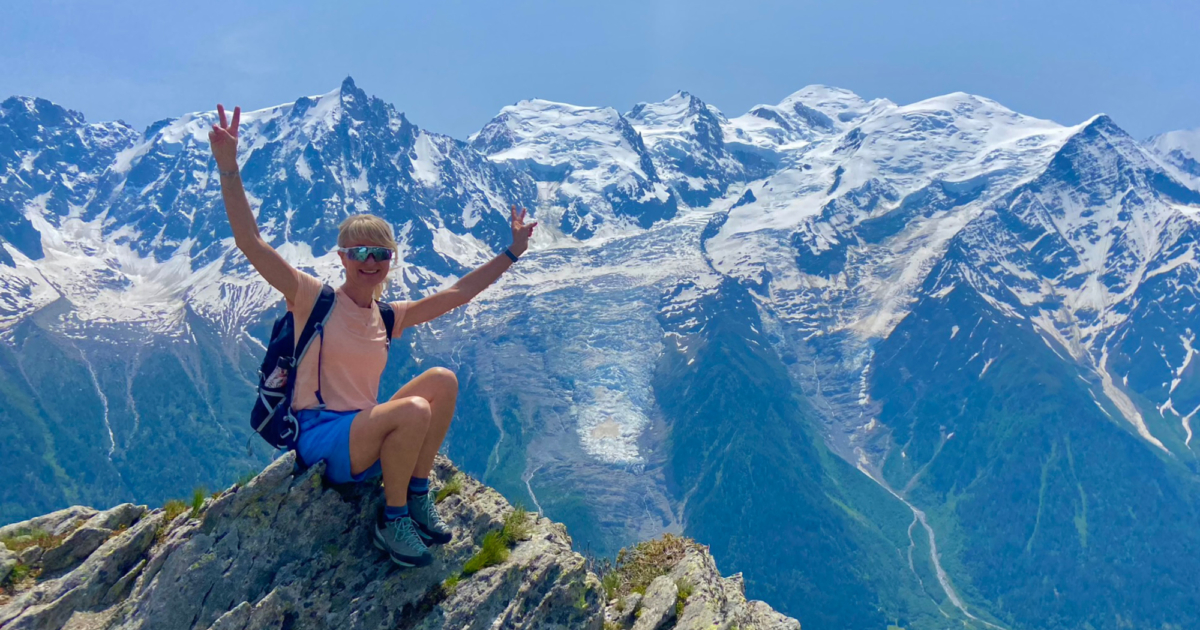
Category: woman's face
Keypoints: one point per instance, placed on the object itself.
(367, 273)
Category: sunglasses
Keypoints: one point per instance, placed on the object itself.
(362, 252)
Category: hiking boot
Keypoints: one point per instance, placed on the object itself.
(431, 527)
(399, 538)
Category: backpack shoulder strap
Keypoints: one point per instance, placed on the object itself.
(319, 315)
(389, 319)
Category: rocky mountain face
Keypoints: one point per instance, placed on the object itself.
(284, 550)
(921, 365)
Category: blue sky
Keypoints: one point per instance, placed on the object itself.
(452, 65)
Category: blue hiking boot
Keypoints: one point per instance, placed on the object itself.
(431, 527)
(399, 538)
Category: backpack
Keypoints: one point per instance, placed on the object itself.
(272, 416)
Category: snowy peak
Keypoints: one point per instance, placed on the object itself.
(838, 105)
(142, 214)
(553, 134)
(50, 162)
(35, 115)
(814, 112)
(685, 138)
(1107, 162)
(596, 175)
(680, 110)
(1180, 149)
(1079, 239)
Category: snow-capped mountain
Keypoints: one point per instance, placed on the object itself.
(969, 305)
(1180, 149)
(592, 168)
(686, 139)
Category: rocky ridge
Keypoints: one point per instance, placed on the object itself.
(286, 550)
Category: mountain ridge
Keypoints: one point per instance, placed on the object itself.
(829, 221)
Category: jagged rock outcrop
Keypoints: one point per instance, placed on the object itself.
(286, 550)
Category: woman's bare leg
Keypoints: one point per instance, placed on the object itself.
(439, 387)
(391, 433)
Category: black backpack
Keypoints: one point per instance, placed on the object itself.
(272, 416)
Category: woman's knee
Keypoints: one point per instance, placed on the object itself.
(411, 411)
(443, 377)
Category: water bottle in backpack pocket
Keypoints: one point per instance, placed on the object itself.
(272, 416)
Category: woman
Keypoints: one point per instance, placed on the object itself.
(356, 436)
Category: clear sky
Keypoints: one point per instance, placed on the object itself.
(451, 65)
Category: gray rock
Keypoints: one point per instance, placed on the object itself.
(123, 515)
(623, 614)
(8, 560)
(288, 550)
(235, 619)
(52, 602)
(717, 602)
(74, 549)
(31, 556)
(658, 606)
(760, 616)
(54, 523)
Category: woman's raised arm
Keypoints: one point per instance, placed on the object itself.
(270, 265)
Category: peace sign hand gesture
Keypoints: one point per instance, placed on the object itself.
(520, 231)
(223, 139)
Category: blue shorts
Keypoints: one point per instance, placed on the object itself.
(325, 435)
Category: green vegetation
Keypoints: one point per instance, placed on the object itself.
(496, 543)
(172, 509)
(684, 588)
(176, 413)
(517, 526)
(611, 582)
(493, 551)
(19, 573)
(26, 538)
(452, 487)
(197, 501)
(451, 583)
(1041, 478)
(637, 566)
(814, 537)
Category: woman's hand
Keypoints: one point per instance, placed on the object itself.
(520, 231)
(223, 139)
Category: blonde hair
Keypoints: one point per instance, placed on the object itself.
(368, 229)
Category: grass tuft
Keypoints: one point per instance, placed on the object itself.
(172, 509)
(611, 582)
(494, 549)
(516, 526)
(451, 584)
(685, 589)
(492, 552)
(452, 487)
(198, 496)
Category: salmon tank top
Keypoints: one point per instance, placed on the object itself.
(355, 350)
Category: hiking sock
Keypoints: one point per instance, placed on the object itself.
(391, 513)
(418, 486)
